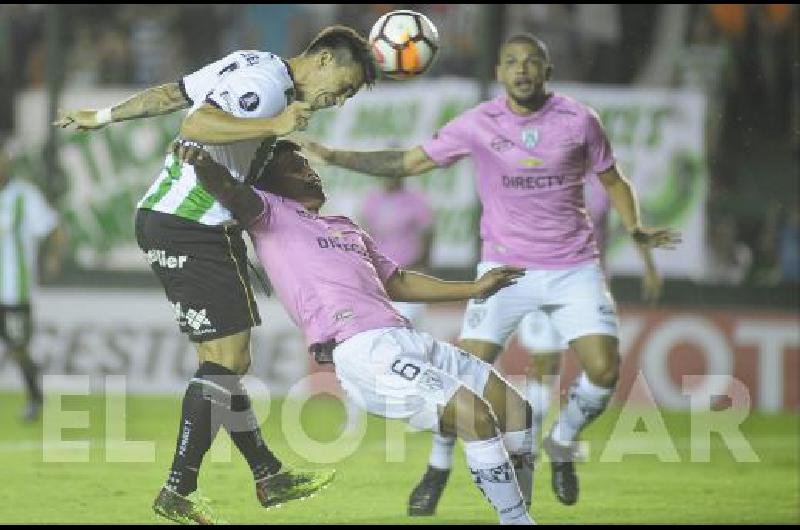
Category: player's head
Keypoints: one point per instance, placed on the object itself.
(290, 175)
(336, 64)
(523, 67)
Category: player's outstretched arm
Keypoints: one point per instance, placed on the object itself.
(623, 198)
(155, 101)
(210, 125)
(239, 198)
(410, 286)
(386, 163)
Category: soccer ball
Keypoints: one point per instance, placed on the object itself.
(404, 43)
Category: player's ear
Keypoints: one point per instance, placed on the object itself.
(548, 71)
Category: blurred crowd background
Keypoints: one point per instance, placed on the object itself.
(743, 57)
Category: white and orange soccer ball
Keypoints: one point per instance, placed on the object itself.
(404, 43)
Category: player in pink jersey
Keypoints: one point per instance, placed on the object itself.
(538, 335)
(532, 150)
(336, 286)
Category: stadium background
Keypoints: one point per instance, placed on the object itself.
(700, 103)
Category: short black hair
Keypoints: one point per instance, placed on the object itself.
(281, 146)
(529, 38)
(346, 45)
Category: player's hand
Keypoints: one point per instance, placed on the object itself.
(496, 279)
(192, 153)
(82, 120)
(651, 286)
(656, 237)
(293, 118)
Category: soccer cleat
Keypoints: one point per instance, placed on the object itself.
(562, 464)
(425, 496)
(292, 484)
(523, 469)
(192, 509)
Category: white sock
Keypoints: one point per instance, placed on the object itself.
(520, 446)
(586, 402)
(538, 395)
(442, 451)
(493, 474)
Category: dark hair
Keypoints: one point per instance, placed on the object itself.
(281, 146)
(346, 45)
(529, 38)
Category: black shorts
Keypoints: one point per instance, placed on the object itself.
(16, 326)
(203, 270)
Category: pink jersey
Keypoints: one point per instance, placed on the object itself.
(326, 271)
(598, 205)
(531, 171)
(398, 221)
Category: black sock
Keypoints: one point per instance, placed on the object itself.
(246, 434)
(197, 429)
(30, 373)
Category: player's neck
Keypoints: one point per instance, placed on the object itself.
(534, 104)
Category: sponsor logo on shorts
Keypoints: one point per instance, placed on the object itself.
(249, 101)
(475, 316)
(164, 260)
(431, 381)
(194, 319)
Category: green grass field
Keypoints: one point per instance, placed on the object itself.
(638, 489)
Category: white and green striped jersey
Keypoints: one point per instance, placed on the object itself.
(25, 218)
(246, 84)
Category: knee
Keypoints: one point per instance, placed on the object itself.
(603, 372)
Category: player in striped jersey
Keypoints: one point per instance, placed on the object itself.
(240, 105)
(25, 220)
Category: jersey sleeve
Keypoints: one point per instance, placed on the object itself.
(262, 221)
(40, 217)
(600, 156)
(197, 85)
(249, 93)
(384, 265)
(450, 143)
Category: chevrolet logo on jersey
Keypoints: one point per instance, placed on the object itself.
(531, 162)
(530, 137)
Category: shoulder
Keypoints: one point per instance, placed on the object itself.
(567, 105)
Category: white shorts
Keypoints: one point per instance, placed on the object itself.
(401, 373)
(411, 310)
(576, 300)
(537, 334)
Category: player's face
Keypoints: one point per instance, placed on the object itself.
(336, 84)
(523, 70)
(298, 180)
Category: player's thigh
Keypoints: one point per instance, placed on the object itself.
(493, 319)
(580, 304)
(203, 272)
(232, 352)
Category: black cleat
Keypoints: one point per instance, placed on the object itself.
(562, 464)
(427, 493)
